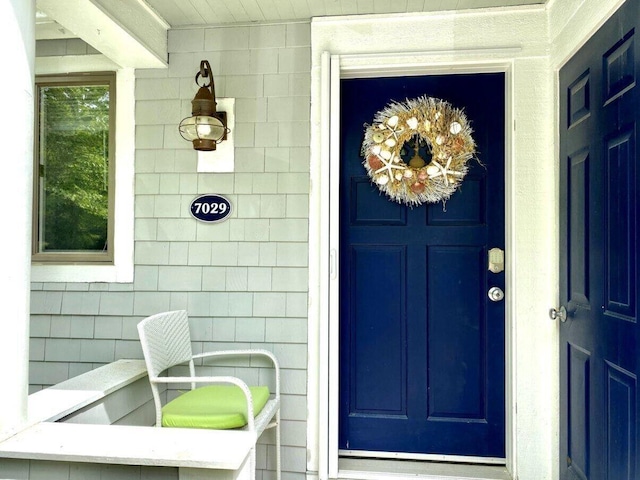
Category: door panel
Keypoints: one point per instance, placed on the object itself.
(578, 183)
(621, 419)
(455, 358)
(579, 392)
(421, 346)
(380, 379)
(619, 221)
(599, 362)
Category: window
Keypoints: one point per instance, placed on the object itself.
(74, 178)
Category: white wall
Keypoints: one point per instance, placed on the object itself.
(511, 40)
(572, 22)
(243, 281)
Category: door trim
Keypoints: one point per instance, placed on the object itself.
(334, 68)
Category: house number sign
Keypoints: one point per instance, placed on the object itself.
(210, 208)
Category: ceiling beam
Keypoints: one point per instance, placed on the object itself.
(128, 33)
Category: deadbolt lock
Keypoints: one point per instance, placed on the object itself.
(495, 260)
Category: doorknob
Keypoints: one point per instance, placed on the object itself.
(561, 313)
(495, 294)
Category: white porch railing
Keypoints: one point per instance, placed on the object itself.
(105, 416)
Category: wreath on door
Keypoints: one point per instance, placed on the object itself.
(440, 136)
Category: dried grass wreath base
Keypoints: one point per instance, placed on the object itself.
(427, 121)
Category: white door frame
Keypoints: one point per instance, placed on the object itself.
(529, 43)
(334, 68)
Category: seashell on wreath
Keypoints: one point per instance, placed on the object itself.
(426, 122)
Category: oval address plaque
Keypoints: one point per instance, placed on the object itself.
(210, 208)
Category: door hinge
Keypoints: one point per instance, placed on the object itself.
(333, 261)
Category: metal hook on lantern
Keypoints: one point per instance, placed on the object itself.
(205, 72)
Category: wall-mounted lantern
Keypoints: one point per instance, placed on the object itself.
(205, 127)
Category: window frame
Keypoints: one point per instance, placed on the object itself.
(76, 257)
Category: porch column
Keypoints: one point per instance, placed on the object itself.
(17, 53)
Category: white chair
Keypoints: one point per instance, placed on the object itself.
(225, 402)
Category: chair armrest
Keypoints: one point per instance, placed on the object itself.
(246, 352)
(218, 379)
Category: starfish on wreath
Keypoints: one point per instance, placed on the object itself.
(389, 165)
(392, 125)
(444, 172)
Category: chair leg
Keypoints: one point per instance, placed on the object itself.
(278, 457)
(253, 463)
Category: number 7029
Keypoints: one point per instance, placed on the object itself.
(207, 208)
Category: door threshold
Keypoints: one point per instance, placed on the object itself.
(428, 457)
(379, 469)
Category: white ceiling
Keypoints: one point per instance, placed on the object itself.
(180, 13)
(183, 13)
(133, 33)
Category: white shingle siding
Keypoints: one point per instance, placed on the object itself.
(44, 470)
(243, 281)
(62, 47)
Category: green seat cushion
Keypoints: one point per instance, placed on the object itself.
(214, 406)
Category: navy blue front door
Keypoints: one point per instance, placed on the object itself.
(421, 344)
(599, 185)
